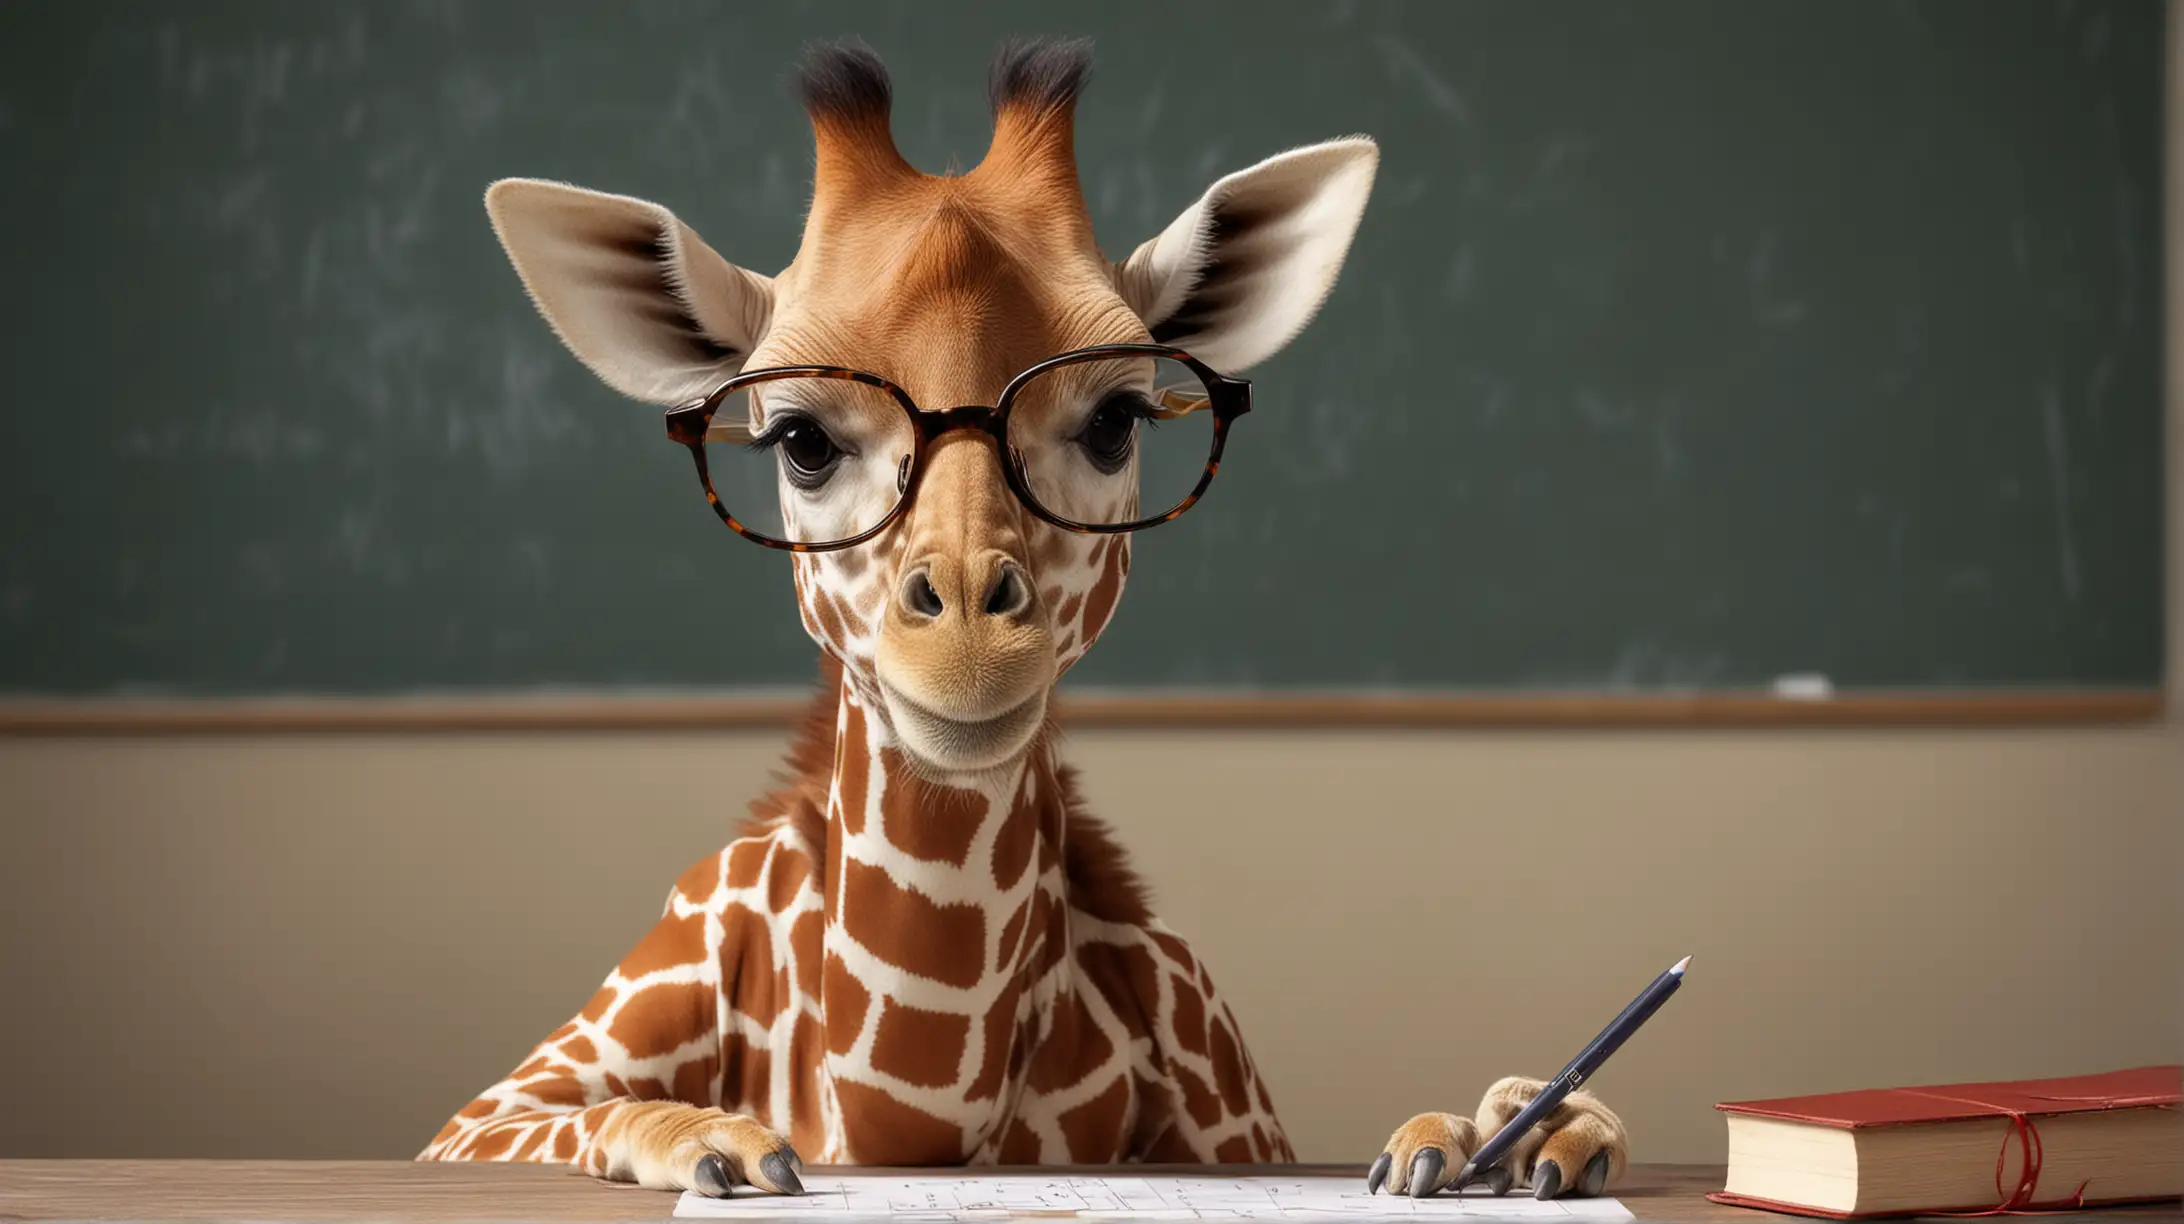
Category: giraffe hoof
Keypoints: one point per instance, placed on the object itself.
(1377, 1176)
(712, 1176)
(1546, 1179)
(1425, 1172)
(1596, 1175)
(775, 1165)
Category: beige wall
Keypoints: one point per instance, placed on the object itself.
(322, 945)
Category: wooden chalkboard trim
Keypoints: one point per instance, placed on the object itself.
(1200, 710)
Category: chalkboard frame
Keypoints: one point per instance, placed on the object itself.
(779, 710)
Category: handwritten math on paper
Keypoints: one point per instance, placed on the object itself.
(1146, 1197)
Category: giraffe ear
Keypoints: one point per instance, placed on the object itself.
(631, 290)
(1241, 272)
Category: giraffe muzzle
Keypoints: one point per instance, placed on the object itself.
(940, 744)
(966, 659)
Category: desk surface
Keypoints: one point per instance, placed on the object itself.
(402, 1190)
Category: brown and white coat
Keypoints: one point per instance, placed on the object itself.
(923, 950)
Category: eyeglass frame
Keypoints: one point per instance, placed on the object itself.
(1228, 398)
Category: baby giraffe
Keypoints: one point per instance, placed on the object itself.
(922, 950)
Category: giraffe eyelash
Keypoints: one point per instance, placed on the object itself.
(1139, 405)
(771, 438)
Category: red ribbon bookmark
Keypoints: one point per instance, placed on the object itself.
(2018, 1200)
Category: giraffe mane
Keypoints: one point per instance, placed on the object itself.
(799, 797)
(1101, 881)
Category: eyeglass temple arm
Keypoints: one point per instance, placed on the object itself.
(1173, 402)
(1170, 403)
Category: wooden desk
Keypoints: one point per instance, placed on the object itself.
(402, 1191)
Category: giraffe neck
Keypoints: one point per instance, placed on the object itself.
(945, 925)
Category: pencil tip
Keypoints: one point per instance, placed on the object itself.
(1678, 967)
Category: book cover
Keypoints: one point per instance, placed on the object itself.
(2023, 1102)
(2140, 1086)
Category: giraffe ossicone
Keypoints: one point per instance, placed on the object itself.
(922, 950)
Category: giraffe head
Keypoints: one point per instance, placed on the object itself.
(952, 623)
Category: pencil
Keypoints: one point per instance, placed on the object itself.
(1573, 1076)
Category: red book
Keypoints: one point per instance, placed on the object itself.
(2020, 1145)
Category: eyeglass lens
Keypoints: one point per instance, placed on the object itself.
(1106, 441)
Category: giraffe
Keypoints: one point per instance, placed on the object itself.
(921, 949)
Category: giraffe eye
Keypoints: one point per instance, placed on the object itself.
(1111, 429)
(808, 454)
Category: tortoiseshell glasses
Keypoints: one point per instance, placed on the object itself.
(812, 458)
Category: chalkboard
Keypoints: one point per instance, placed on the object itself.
(1684, 345)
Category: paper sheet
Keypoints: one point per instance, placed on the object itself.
(1148, 1197)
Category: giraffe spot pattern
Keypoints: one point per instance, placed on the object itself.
(1176, 950)
(1097, 1125)
(600, 1002)
(850, 774)
(806, 1062)
(936, 824)
(746, 1070)
(1010, 933)
(555, 1090)
(918, 1046)
(898, 1134)
(1012, 847)
(830, 618)
(785, 881)
(1190, 1016)
(1228, 1070)
(834, 879)
(1074, 1042)
(675, 941)
(1100, 603)
(1000, 1024)
(1022, 1147)
(806, 940)
(700, 881)
(747, 960)
(846, 1001)
(1198, 1100)
(746, 859)
(895, 923)
(862, 1011)
(657, 1019)
(697, 1080)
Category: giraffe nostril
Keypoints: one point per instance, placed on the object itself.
(1010, 593)
(919, 596)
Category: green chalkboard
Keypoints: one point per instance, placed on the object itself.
(1685, 344)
